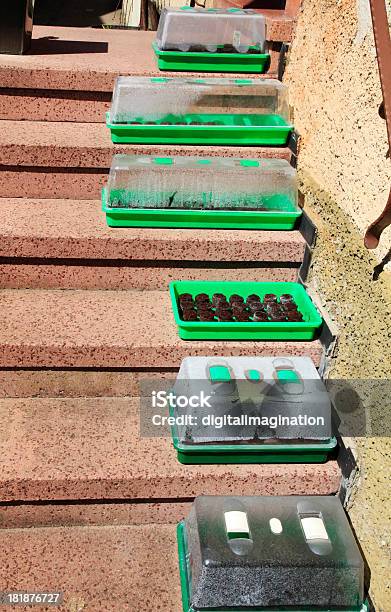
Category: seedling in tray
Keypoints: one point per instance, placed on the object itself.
(243, 310)
(193, 192)
(211, 40)
(269, 553)
(200, 111)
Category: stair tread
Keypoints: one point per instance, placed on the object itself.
(57, 144)
(105, 569)
(88, 59)
(91, 448)
(54, 328)
(77, 229)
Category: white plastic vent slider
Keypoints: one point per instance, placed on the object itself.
(275, 526)
(314, 528)
(236, 522)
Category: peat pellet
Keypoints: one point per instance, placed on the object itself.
(253, 306)
(286, 297)
(188, 312)
(224, 312)
(205, 310)
(242, 317)
(260, 315)
(235, 298)
(239, 311)
(226, 318)
(278, 318)
(206, 316)
(270, 298)
(202, 297)
(218, 296)
(185, 297)
(190, 316)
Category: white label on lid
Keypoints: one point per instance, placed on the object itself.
(275, 526)
(236, 522)
(314, 528)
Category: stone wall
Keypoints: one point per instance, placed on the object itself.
(335, 94)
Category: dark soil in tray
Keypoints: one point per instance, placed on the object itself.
(235, 308)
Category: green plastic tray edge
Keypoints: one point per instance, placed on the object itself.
(249, 449)
(256, 63)
(206, 54)
(288, 127)
(199, 218)
(276, 136)
(185, 584)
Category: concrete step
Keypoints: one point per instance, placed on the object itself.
(92, 449)
(66, 244)
(41, 159)
(70, 72)
(105, 329)
(102, 569)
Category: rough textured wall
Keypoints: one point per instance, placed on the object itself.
(335, 92)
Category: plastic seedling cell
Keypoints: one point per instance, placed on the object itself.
(211, 40)
(193, 192)
(260, 410)
(269, 553)
(244, 310)
(199, 111)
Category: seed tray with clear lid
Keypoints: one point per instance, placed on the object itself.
(211, 40)
(228, 310)
(144, 191)
(244, 112)
(269, 553)
(259, 410)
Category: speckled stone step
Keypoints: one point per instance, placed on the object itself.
(40, 159)
(102, 569)
(66, 244)
(104, 329)
(70, 73)
(91, 449)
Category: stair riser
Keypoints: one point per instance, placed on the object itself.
(57, 515)
(259, 482)
(64, 276)
(101, 357)
(54, 105)
(72, 183)
(77, 383)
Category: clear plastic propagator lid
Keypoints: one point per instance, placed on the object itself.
(232, 30)
(272, 553)
(252, 400)
(201, 183)
(179, 101)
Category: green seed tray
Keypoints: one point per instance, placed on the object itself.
(232, 129)
(185, 584)
(268, 330)
(283, 219)
(202, 454)
(195, 61)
